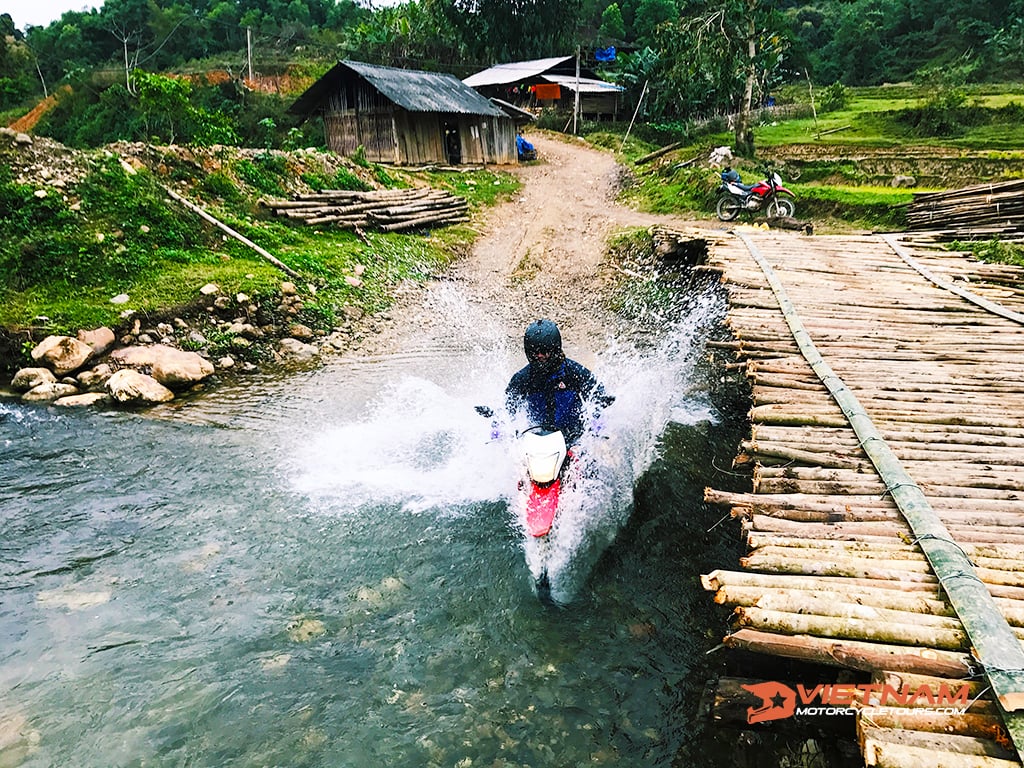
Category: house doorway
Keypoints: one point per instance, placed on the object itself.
(452, 143)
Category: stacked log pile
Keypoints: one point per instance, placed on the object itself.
(981, 211)
(387, 210)
(835, 574)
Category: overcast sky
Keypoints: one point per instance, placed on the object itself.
(42, 12)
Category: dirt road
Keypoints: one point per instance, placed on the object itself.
(538, 255)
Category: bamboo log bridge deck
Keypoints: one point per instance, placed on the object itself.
(886, 520)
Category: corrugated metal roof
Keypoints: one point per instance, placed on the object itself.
(514, 72)
(410, 89)
(419, 91)
(587, 85)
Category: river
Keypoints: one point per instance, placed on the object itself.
(322, 569)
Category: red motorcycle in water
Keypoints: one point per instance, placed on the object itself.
(768, 195)
(554, 475)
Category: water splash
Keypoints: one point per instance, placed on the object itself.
(421, 448)
(652, 387)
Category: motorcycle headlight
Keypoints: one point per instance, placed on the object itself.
(544, 468)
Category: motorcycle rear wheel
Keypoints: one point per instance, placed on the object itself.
(728, 208)
(781, 206)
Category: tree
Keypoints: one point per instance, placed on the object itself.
(163, 102)
(649, 15)
(612, 25)
(721, 57)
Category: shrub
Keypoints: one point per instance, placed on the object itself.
(834, 98)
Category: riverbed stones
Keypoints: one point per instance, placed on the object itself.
(30, 378)
(62, 354)
(169, 366)
(85, 399)
(94, 378)
(295, 351)
(301, 332)
(49, 391)
(131, 387)
(100, 339)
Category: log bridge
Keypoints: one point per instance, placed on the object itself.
(885, 525)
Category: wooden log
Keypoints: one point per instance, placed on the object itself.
(912, 719)
(977, 690)
(1012, 554)
(880, 605)
(806, 456)
(440, 220)
(658, 153)
(845, 506)
(850, 628)
(888, 748)
(720, 578)
(853, 654)
(266, 255)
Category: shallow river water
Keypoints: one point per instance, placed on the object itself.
(323, 570)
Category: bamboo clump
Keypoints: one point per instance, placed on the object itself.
(835, 572)
(388, 210)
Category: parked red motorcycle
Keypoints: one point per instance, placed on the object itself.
(768, 195)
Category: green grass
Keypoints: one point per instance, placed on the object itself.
(993, 251)
(839, 178)
(161, 255)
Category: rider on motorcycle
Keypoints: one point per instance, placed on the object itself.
(552, 388)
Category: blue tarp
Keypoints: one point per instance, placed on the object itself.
(605, 54)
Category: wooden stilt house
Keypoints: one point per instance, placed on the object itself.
(407, 117)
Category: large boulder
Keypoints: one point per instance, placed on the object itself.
(101, 340)
(169, 366)
(94, 378)
(49, 391)
(30, 378)
(133, 388)
(62, 354)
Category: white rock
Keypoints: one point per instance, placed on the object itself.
(100, 339)
(62, 354)
(30, 378)
(293, 350)
(48, 392)
(131, 387)
(169, 366)
(86, 399)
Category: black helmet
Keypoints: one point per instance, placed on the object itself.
(543, 336)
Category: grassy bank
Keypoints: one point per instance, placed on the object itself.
(111, 231)
(853, 164)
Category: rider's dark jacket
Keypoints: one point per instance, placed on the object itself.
(556, 398)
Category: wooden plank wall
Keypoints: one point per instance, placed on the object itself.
(389, 134)
(834, 574)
